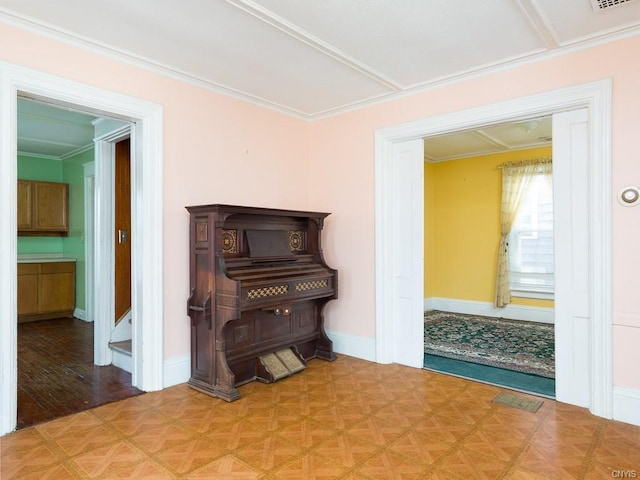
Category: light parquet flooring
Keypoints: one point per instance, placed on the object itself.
(349, 419)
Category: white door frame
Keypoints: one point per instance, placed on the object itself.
(104, 294)
(89, 172)
(147, 245)
(596, 97)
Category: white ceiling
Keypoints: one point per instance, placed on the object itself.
(313, 59)
(316, 58)
(50, 132)
(487, 140)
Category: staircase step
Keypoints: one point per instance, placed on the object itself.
(122, 347)
(122, 357)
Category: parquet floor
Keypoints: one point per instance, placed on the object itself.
(350, 419)
(56, 374)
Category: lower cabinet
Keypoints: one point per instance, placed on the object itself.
(46, 290)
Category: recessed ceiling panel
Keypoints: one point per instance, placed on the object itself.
(415, 41)
(520, 134)
(41, 148)
(457, 145)
(488, 140)
(50, 131)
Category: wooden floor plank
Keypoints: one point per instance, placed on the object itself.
(56, 374)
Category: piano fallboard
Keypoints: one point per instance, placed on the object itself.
(282, 283)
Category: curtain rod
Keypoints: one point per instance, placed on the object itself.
(533, 161)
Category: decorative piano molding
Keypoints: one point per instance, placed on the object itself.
(304, 286)
(229, 241)
(270, 291)
(296, 240)
(202, 232)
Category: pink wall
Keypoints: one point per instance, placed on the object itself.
(219, 149)
(341, 172)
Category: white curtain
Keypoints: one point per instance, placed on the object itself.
(515, 180)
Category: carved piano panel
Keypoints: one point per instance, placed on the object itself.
(259, 284)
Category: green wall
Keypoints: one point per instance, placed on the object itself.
(73, 244)
(69, 171)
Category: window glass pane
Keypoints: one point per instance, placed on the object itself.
(531, 240)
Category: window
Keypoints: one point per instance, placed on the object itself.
(531, 243)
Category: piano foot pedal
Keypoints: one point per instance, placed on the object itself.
(280, 364)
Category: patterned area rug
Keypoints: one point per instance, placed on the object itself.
(526, 347)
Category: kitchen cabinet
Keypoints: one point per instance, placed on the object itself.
(46, 290)
(43, 208)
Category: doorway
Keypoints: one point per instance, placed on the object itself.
(56, 371)
(465, 334)
(399, 284)
(122, 224)
(147, 254)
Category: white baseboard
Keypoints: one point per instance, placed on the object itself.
(626, 405)
(177, 370)
(80, 314)
(515, 312)
(354, 346)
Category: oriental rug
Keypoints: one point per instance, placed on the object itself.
(526, 347)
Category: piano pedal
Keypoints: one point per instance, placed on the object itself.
(280, 364)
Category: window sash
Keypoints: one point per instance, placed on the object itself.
(531, 262)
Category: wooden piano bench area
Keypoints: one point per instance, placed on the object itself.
(259, 284)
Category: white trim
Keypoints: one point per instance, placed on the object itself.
(596, 96)
(147, 245)
(89, 172)
(120, 132)
(177, 370)
(521, 293)
(8, 255)
(80, 314)
(104, 278)
(511, 311)
(626, 405)
(353, 346)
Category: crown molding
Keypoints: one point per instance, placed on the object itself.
(65, 36)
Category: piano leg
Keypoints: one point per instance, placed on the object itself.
(324, 350)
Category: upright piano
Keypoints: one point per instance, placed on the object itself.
(259, 284)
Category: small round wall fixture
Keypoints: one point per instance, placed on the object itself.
(629, 196)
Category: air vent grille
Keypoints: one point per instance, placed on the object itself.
(602, 5)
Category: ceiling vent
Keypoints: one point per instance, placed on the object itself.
(604, 5)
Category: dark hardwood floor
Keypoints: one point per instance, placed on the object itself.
(56, 374)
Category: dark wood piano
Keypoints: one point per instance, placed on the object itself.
(259, 284)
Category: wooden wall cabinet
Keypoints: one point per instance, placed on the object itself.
(43, 208)
(46, 290)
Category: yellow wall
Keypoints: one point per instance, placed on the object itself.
(462, 226)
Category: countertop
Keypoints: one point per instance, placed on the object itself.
(44, 258)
